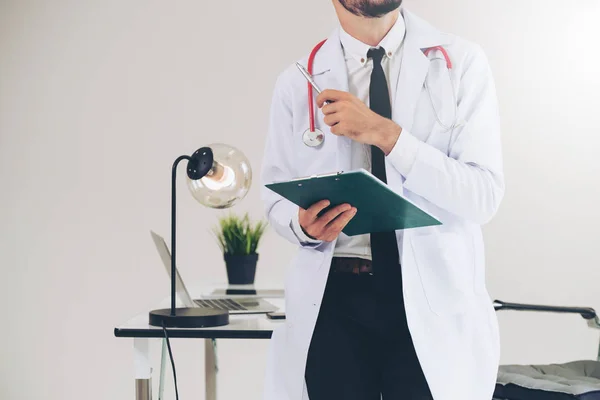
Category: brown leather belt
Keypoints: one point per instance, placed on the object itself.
(351, 265)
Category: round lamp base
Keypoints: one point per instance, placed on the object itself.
(189, 318)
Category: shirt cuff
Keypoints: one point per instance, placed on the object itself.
(404, 152)
(302, 237)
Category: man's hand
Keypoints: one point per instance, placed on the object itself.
(350, 117)
(328, 226)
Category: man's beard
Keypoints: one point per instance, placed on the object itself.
(370, 8)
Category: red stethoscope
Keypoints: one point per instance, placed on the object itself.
(313, 137)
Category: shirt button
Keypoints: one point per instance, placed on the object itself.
(362, 60)
(389, 53)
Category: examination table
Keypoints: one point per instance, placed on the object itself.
(577, 380)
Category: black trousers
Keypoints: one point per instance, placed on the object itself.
(361, 348)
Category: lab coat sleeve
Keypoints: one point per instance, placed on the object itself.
(277, 166)
(468, 181)
(299, 232)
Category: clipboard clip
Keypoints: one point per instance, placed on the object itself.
(317, 176)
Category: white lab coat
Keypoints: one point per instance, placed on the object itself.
(456, 175)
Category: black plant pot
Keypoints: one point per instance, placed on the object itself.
(241, 269)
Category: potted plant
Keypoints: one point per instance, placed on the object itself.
(238, 238)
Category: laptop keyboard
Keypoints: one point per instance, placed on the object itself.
(221, 304)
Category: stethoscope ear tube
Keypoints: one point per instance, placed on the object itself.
(313, 137)
(309, 66)
(444, 52)
(438, 117)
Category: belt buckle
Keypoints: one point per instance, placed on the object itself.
(355, 266)
(363, 269)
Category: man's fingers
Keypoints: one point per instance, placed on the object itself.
(330, 215)
(327, 226)
(332, 108)
(339, 129)
(336, 226)
(314, 210)
(332, 119)
(330, 95)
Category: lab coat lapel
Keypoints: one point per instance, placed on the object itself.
(414, 68)
(329, 71)
(410, 83)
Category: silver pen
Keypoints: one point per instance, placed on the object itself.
(310, 79)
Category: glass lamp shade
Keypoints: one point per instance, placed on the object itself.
(219, 175)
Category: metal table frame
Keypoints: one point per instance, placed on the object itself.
(253, 326)
(143, 370)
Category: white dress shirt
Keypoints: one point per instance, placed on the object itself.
(359, 69)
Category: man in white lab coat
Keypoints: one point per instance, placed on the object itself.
(406, 314)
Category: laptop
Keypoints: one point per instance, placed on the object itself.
(237, 305)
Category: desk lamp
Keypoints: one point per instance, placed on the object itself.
(218, 177)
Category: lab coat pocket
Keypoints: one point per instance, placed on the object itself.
(300, 280)
(445, 264)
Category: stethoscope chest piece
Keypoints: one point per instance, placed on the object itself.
(313, 138)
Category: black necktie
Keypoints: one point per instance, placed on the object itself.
(384, 247)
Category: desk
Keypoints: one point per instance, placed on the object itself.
(252, 326)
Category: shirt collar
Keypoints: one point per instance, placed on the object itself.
(392, 42)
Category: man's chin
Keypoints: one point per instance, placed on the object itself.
(371, 8)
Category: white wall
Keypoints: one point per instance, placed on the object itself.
(97, 98)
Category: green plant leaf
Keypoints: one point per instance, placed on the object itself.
(238, 235)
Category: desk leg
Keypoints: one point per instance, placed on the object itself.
(210, 367)
(143, 370)
(163, 358)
